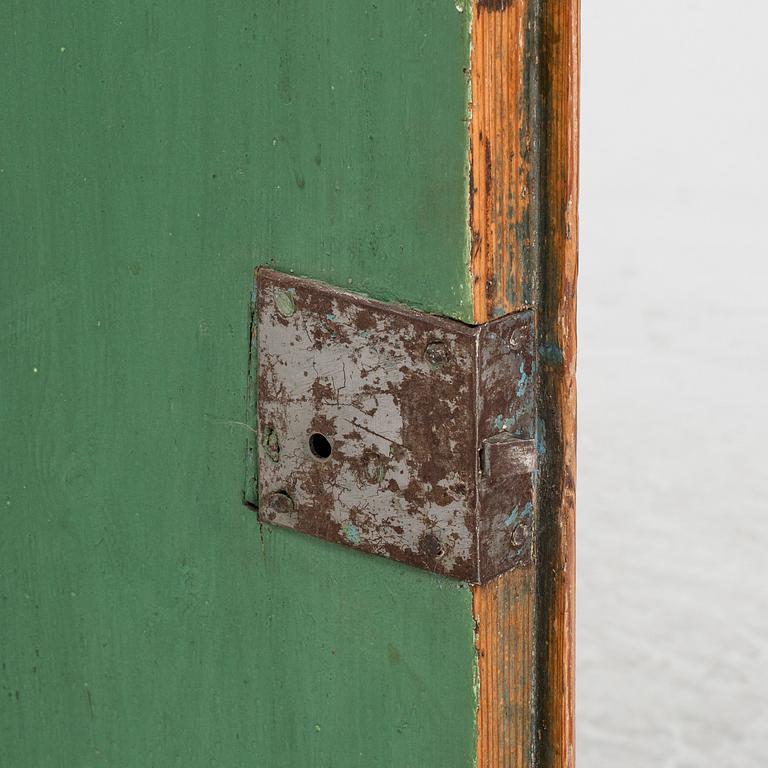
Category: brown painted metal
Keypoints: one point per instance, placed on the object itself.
(393, 431)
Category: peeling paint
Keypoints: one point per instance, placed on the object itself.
(372, 427)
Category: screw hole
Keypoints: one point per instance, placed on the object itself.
(320, 446)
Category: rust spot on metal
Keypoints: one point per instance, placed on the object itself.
(271, 444)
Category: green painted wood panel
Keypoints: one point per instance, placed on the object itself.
(151, 155)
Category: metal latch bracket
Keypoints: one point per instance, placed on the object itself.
(394, 431)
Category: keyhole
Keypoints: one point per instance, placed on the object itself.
(320, 446)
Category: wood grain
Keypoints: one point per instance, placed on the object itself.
(557, 299)
(502, 157)
(524, 186)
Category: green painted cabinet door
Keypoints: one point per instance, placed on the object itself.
(151, 155)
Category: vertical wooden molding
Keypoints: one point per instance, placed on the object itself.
(523, 215)
(502, 156)
(557, 273)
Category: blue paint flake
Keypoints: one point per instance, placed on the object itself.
(502, 424)
(523, 383)
(511, 519)
(516, 515)
(351, 533)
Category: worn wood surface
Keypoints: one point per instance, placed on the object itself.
(558, 272)
(503, 203)
(560, 178)
(524, 151)
(152, 155)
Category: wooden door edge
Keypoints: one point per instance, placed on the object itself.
(523, 216)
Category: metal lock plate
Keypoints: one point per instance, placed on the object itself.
(393, 431)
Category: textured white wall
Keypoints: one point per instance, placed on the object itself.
(672, 640)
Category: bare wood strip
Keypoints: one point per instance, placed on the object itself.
(503, 47)
(504, 613)
(524, 186)
(558, 272)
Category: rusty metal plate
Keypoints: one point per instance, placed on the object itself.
(393, 431)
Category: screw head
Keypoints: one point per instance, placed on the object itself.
(521, 534)
(279, 504)
(516, 339)
(430, 545)
(437, 354)
(284, 303)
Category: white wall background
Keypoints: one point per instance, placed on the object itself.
(672, 611)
